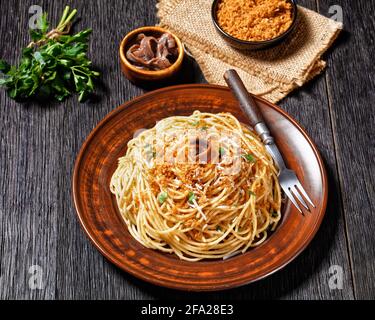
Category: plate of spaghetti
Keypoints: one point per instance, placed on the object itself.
(176, 189)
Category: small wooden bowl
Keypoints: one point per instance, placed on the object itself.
(135, 74)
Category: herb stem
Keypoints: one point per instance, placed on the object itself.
(62, 26)
(77, 69)
(65, 14)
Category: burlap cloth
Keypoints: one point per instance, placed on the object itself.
(271, 73)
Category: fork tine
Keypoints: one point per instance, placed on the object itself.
(295, 191)
(302, 190)
(290, 196)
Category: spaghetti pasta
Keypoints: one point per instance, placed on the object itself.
(200, 186)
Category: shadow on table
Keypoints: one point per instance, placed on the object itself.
(189, 73)
(282, 282)
(342, 39)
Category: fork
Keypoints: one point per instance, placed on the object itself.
(287, 178)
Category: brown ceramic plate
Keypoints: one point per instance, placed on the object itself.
(98, 214)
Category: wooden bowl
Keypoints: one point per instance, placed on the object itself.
(101, 220)
(135, 74)
(252, 45)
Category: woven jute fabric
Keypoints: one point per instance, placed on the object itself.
(270, 73)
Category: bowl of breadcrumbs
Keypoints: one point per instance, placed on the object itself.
(254, 24)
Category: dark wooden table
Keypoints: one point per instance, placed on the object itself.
(39, 144)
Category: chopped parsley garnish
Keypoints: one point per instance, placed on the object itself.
(162, 197)
(221, 151)
(248, 157)
(204, 128)
(149, 152)
(251, 193)
(191, 197)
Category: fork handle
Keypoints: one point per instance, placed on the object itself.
(248, 105)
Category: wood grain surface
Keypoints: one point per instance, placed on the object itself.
(39, 144)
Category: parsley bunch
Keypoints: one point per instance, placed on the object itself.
(54, 64)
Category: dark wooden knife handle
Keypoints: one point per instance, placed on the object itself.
(247, 102)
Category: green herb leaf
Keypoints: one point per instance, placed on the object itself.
(195, 123)
(248, 157)
(35, 35)
(78, 37)
(43, 23)
(251, 193)
(221, 151)
(149, 152)
(191, 197)
(4, 66)
(162, 197)
(204, 128)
